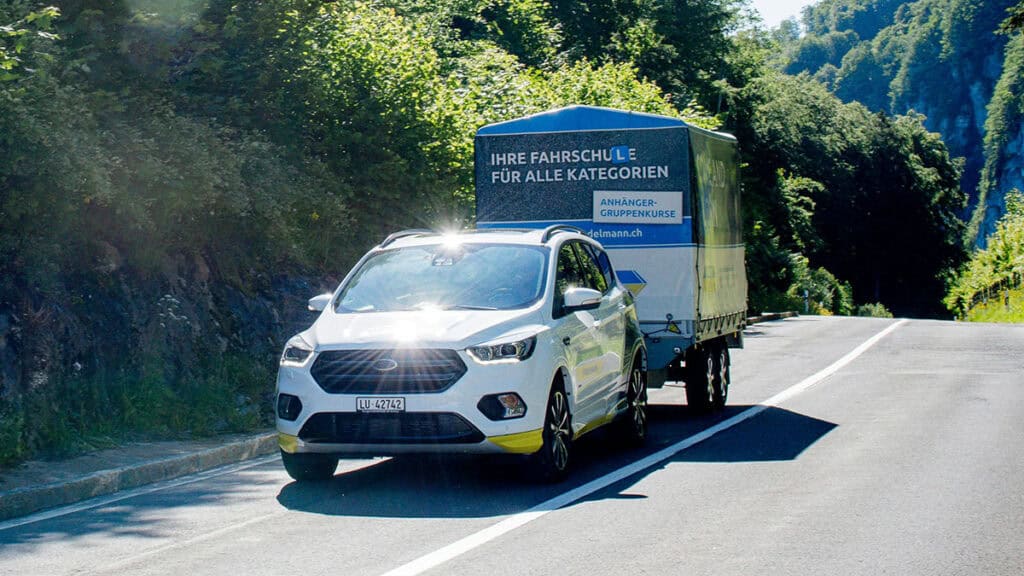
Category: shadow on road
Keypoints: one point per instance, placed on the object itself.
(470, 487)
(773, 435)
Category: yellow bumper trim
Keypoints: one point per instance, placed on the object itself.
(287, 442)
(521, 443)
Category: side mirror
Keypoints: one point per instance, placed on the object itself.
(319, 303)
(580, 299)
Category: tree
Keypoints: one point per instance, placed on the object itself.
(892, 227)
(881, 193)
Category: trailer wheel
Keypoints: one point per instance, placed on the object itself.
(722, 377)
(700, 378)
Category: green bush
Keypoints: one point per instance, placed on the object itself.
(873, 310)
(822, 292)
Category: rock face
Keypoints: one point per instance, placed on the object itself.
(113, 334)
(1009, 175)
(940, 58)
(1004, 143)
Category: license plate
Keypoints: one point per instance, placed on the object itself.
(380, 404)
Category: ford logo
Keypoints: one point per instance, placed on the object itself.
(385, 365)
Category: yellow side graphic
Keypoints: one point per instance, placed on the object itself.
(594, 425)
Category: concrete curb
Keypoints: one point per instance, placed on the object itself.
(24, 501)
(770, 316)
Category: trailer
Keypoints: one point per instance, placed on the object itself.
(663, 198)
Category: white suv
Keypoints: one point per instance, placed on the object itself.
(486, 341)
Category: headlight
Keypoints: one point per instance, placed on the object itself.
(515, 351)
(296, 352)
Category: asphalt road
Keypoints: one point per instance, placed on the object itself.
(906, 459)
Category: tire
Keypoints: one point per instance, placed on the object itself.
(722, 377)
(700, 378)
(309, 467)
(551, 463)
(634, 422)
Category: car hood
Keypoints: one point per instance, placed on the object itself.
(455, 329)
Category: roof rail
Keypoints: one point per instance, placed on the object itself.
(556, 228)
(404, 233)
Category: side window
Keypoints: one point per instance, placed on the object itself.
(606, 267)
(595, 279)
(569, 274)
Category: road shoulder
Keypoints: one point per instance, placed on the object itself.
(38, 485)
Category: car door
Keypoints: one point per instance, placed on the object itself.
(578, 333)
(609, 322)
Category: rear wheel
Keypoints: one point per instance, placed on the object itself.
(553, 459)
(721, 381)
(700, 378)
(634, 425)
(309, 466)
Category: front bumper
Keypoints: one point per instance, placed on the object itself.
(448, 421)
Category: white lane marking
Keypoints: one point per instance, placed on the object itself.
(104, 500)
(459, 547)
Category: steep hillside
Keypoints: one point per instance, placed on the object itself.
(940, 58)
(1004, 142)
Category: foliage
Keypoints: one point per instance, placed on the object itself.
(859, 193)
(682, 46)
(874, 310)
(813, 51)
(998, 267)
(863, 17)
(524, 28)
(819, 291)
(24, 38)
(1014, 20)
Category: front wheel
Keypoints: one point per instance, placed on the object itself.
(552, 461)
(309, 467)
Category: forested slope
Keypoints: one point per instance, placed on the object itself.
(940, 58)
(177, 177)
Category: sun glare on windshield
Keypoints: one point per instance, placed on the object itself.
(452, 275)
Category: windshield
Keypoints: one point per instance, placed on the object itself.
(464, 276)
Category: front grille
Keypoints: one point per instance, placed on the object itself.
(404, 371)
(399, 428)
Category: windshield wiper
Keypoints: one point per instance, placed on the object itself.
(469, 307)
